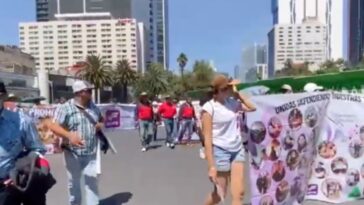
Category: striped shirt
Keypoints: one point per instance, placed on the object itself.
(71, 118)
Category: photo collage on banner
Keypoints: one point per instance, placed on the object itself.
(40, 115)
(338, 170)
(282, 136)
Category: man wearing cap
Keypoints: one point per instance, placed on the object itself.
(144, 115)
(312, 87)
(168, 111)
(81, 160)
(286, 89)
(18, 133)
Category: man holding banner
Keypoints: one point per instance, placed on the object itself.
(81, 160)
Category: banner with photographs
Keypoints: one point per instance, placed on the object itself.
(282, 137)
(338, 169)
(40, 116)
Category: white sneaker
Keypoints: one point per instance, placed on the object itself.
(168, 144)
(202, 153)
(144, 149)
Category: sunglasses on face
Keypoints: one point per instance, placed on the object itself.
(88, 91)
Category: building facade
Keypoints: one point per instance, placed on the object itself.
(333, 14)
(152, 13)
(48, 10)
(300, 43)
(13, 60)
(251, 57)
(58, 45)
(356, 31)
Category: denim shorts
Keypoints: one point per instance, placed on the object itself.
(224, 158)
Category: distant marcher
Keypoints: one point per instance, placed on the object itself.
(168, 111)
(312, 87)
(286, 89)
(145, 116)
(186, 120)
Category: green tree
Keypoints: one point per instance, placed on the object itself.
(124, 76)
(96, 72)
(182, 62)
(202, 74)
(154, 81)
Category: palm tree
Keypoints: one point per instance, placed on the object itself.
(124, 76)
(96, 72)
(154, 81)
(182, 62)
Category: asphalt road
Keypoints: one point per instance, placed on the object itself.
(158, 177)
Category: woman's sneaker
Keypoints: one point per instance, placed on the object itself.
(144, 149)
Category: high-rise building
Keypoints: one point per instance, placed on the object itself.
(50, 10)
(333, 14)
(252, 56)
(300, 43)
(59, 45)
(152, 13)
(356, 31)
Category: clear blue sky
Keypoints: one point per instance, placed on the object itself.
(215, 30)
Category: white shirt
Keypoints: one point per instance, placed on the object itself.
(225, 127)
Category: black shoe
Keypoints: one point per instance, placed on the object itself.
(172, 145)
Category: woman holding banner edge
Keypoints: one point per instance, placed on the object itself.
(223, 142)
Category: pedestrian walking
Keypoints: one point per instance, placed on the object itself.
(81, 161)
(156, 120)
(167, 111)
(223, 142)
(145, 116)
(18, 134)
(186, 120)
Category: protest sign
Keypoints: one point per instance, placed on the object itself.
(282, 136)
(338, 169)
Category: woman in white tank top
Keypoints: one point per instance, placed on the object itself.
(223, 142)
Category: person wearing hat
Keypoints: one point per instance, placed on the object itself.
(312, 87)
(223, 141)
(167, 111)
(186, 119)
(144, 115)
(18, 134)
(286, 89)
(81, 161)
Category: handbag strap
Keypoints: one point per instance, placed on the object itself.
(87, 115)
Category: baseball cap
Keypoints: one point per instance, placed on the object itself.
(286, 87)
(312, 87)
(143, 94)
(2, 88)
(81, 85)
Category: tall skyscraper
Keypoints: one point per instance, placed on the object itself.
(252, 57)
(152, 13)
(356, 31)
(47, 10)
(332, 13)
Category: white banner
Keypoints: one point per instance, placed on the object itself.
(338, 170)
(307, 146)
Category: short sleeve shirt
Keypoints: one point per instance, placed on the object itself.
(225, 127)
(71, 118)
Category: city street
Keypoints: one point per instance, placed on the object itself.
(158, 177)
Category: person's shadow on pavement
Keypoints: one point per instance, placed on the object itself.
(117, 199)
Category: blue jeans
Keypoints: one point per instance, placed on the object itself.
(185, 126)
(146, 131)
(79, 167)
(169, 126)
